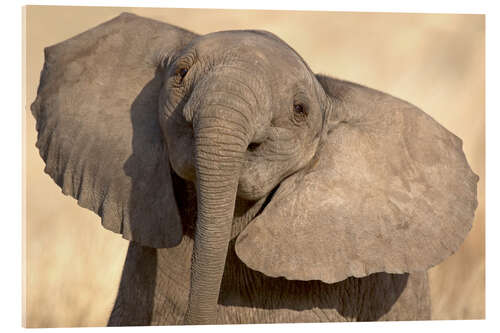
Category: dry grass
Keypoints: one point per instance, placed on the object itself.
(434, 61)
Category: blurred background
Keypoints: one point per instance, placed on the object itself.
(434, 61)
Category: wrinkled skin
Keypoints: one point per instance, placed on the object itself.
(252, 189)
(154, 290)
(269, 131)
(249, 297)
(236, 135)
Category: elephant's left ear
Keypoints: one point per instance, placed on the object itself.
(392, 192)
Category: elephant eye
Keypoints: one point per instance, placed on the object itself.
(300, 111)
(253, 146)
(181, 72)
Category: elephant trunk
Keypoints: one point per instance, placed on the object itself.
(221, 138)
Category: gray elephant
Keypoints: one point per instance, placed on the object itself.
(252, 190)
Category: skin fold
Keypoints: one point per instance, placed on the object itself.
(252, 189)
(155, 285)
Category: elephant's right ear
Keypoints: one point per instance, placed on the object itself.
(391, 192)
(98, 131)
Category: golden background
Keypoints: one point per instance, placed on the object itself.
(436, 62)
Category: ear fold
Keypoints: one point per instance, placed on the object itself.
(97, 125)
(392, 192)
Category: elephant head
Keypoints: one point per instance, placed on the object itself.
(346, 180)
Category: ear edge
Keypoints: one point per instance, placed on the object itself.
(56, 168)
(250, 259)
(108, 220)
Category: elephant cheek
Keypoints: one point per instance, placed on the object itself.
(181, 156)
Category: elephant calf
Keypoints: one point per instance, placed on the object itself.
(252, 190)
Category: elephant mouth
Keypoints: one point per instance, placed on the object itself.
(267, 200)
(245, 211)
(185, 197)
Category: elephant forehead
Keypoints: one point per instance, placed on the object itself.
(253, 45)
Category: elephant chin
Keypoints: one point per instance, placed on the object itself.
(184, 170)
